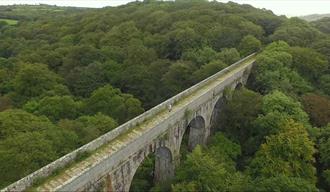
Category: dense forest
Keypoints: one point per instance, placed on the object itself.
(70, 75)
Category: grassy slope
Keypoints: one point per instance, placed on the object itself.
(10, 21)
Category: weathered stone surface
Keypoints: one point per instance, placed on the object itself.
(164, 166)
(196, 132)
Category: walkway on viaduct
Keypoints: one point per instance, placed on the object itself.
(115, 156)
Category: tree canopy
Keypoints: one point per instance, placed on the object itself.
(69, 75)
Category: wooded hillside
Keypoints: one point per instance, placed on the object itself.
(69, 76)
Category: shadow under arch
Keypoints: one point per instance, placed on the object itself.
(216, 123)
(156, 168)
(196, 132)
(239, 85)
(164, 166)
(142, 179)
(192, 136)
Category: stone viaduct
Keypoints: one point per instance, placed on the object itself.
(114, 157)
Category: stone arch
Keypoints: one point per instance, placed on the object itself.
(217, 109)
(136, 164)
(196, 130)
(164, 165)
(246, 75)
(163, 170)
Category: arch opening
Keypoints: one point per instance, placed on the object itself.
(196, 132)
(143, 177)
(193, 136)
(216, 123)
(238, 86)
(156, 170)
(164, 168)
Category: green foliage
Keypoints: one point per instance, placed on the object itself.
(181, 40)
(200, 57)
(6, 76)
(223, 149)
(97, 122)
(184, 186)
(143, 178)
(151, 51)
(138, 54)
(289, 153)
(279, 102)
(22, 154)
(121, 34)
(81, 55)
(273, 71)
(178, 76)
(28, 142)
(265, 125)
(32, 12)
(322, 24)
(277, 109)
(55, 108)
(112, 102)
(324, 157)
(278, 47)
(33, 80)
(203, 172)
(267, 21)
(5, 103)
(326, 176)
(84, 80)
(3, 24)
(58, 90)
(296, 32)
(248, 45)
(15, 121)
(325, 84)
(323, 46)
(9, 21)
(222, 37)
(89, 127)
(282, 183)
(324, 143)
(208, 69)
(309, 63)
(238, 114)
(283, 79)
(228, 56)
